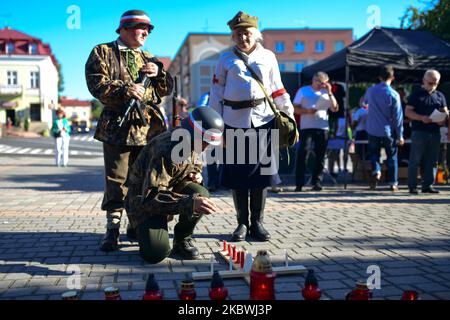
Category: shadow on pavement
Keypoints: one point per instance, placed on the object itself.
(82, 179)
(49, 254)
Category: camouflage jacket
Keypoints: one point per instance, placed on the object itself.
(154, 181)
(108, 80)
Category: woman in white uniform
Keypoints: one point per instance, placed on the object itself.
(237, 96)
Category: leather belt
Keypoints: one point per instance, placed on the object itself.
(243, 104)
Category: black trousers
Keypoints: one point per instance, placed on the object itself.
(315, 140)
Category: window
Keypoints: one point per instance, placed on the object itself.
(33, 48)
(35, 112)
(279, 46)
(12, 78)
(34, 79)
(10, 48)
(339, 45)
(299, 67)
(320, 46)
(206, 72)
(282, 67)
(299, 46)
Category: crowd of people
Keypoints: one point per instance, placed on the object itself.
(143, 179)
(384, 119)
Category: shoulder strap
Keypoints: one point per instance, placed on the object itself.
(256, 77)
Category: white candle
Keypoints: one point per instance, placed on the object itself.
(212, 264)
(231, 263)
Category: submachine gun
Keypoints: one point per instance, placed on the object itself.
(136, 104)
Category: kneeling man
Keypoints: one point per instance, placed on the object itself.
(162, 185)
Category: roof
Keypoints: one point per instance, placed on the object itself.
(306, 29)
(403, 49)
(69, 102)
(21, 42)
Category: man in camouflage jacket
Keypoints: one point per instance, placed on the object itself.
(112, 70)
(161, 186)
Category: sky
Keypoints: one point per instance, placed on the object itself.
(74, 27)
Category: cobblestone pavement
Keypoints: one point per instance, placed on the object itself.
(51, 225)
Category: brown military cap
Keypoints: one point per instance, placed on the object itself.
(243, 20)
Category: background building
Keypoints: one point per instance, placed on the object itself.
(78, 112)
(28, 80)
(298, 48)
(195, 61)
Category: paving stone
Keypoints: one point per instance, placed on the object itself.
(337, 233)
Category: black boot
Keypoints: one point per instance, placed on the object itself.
(257, 204)
(131, 233)
(110, 241)
(185, 249)
(240, 198)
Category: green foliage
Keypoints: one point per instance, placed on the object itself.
(26, 124)
(97, 108)
(434, 17)
(60, 78)
(45, 133)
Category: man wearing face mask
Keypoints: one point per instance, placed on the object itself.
(113, 71)
(425, 136)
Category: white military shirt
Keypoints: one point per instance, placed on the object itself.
(232, 81)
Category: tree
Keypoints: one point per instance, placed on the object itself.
(60, 78)
(97, 108)
(434, 17)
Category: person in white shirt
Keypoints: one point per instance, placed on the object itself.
(312, 103)
(237, 96)
(360, 129)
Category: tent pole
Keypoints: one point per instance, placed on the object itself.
(346, 110)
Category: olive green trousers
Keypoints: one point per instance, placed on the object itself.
(153, 235)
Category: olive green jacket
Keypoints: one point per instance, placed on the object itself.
(154, 181)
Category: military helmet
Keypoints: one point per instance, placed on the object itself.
(132, 18)
(206, 122)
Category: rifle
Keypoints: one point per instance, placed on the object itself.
(175, 112)
(135, 104)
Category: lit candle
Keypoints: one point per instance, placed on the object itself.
(242, 259)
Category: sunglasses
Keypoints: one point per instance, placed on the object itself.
(141, 26)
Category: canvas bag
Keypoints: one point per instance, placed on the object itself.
(287, 127)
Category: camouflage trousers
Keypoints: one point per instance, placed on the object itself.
(118, 161)
(153, 235)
